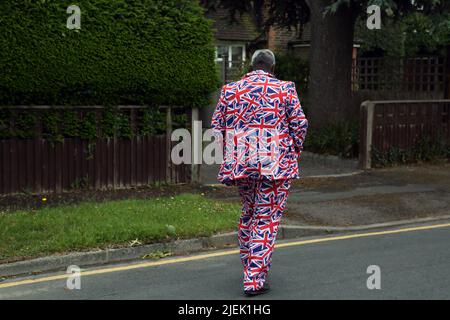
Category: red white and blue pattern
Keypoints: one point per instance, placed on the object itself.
(262, 127)
(263, 206)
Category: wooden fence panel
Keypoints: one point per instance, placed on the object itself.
(419, 77)
(402, 125)
(40, 166)
(35, 165)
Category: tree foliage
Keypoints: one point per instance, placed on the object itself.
(126, 52)
(294, 13)
(415, 34)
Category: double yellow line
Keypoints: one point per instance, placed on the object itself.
(216, 254)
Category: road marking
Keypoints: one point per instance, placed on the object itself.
(216, 254)
(362, 235)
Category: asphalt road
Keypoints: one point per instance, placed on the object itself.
(414, 264)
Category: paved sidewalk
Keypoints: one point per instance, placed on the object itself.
(375, 196)
(367, 197)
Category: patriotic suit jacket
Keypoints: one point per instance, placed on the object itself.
(261, 127)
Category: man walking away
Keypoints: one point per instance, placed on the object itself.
(262, 127)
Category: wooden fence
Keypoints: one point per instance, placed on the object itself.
(401, 124)
(425, 76)
(37, 165)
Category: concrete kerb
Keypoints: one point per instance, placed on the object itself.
(179, 247)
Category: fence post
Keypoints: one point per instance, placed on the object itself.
(225, 69)
(366, 131)
(169, 130)
(447, 74)
(196, 145)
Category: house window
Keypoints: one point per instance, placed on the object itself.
(235, 54)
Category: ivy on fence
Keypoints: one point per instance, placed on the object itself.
(426, 149)
(56, 124)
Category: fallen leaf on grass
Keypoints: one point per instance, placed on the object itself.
(135, 242)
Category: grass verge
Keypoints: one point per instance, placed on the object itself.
(29, 234)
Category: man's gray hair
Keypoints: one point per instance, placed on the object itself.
(263, 57)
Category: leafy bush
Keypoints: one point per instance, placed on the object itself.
(427, 149)
(126, 52)
(289, 67)
(293, 68)
(340, 138)
(55, 124)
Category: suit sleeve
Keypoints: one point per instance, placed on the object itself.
(298, 124)
(218, 123)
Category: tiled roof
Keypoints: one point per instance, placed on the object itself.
(243, 29)
(283, 38)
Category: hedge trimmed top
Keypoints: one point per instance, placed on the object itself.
(127, 52)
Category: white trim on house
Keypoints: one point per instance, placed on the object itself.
(307, 45)
(230, 52)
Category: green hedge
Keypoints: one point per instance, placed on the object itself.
(339, 138)
(127, 52)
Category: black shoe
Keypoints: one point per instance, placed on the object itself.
(253, 293)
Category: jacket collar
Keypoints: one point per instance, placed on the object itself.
(259, 73)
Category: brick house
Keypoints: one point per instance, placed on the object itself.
(237, 40)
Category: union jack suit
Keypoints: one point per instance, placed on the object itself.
(261, 126)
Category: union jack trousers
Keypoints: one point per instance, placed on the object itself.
(263, 206)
